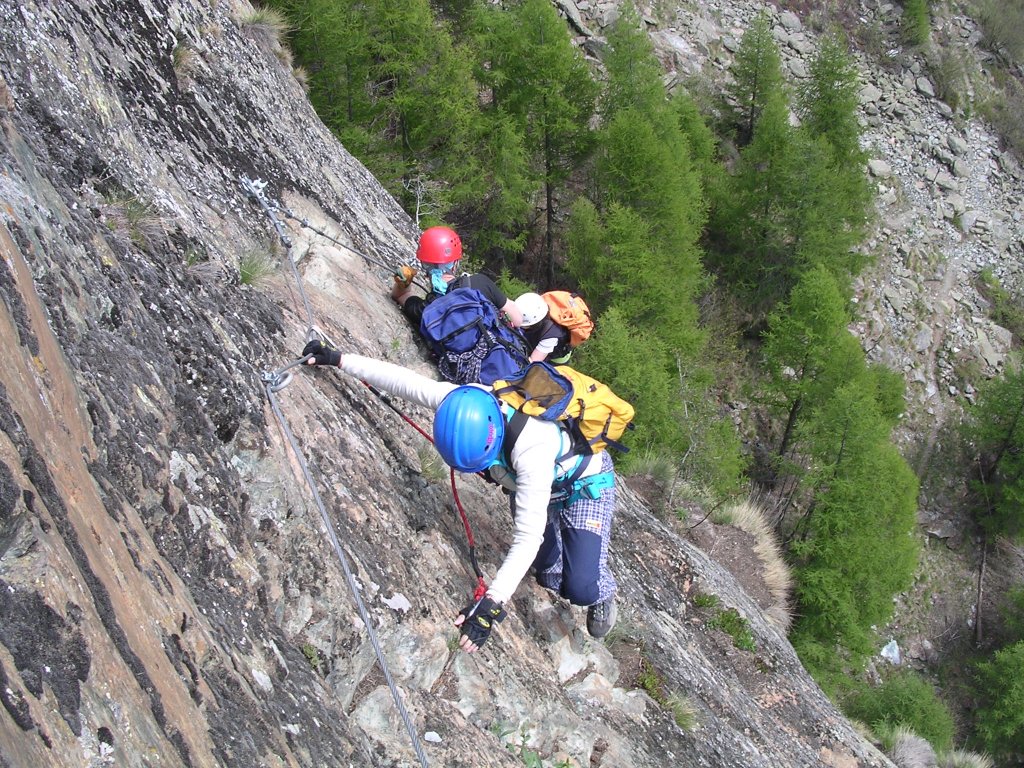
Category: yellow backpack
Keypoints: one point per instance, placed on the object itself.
(594, 416)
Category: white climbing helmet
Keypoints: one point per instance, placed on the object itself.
(533, 307)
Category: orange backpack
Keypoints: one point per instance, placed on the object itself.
(570, 311)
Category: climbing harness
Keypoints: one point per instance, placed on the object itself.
(274, 382)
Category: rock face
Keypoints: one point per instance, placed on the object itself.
(169, 592)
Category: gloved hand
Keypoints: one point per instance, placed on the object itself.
(404, 276)
(323, 354)
(477, 620)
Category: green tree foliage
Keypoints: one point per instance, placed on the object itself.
(996, 427)
(333, 40)
(425, 99)
(808, 351)
(828, 101)
(757, 77)
(541, 80)
(798, 197)
(835, 219)
(905, 699)
(702, 142)
(853, 547)
(753, 218)
(619, 262)
(635, 364)
(498, 215)
(393, 85)
(634, 74)
(999, 720)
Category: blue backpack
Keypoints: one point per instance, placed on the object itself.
(472, 344)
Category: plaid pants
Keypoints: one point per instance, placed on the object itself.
(573, 558)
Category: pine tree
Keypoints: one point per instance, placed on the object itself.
(999, 720)
(853, 547)
(634, 80)
(757, 76)
(701, 140)
(753, 218)
(808, 350)
(635, 364)
(540, 79)
(828, 100)
(996, 428)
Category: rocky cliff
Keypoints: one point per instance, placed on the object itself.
(173, 591)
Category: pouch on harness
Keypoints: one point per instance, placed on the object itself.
(472, 344)
(594, 416)
(571, 312)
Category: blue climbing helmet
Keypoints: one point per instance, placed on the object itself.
(469, 428)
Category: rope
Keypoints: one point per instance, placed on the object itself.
(255, 189)
(350, 578)
(274, 383)
(481, 584)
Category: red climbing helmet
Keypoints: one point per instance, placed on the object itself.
(469, 428)
(439, 245)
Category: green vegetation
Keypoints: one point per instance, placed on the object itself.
(995, 428)
(1002, 22)
(653, 684)
(312, 654)
(1007, 309)
(916, 21)
(728, 620)
(529, 757)
(705, 600)
(717, 244)
(904, 699)
(734, 625)
(256, 266)
(999, 721)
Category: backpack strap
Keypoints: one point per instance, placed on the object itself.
(514, 428)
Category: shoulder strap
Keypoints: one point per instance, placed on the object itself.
(513, 429)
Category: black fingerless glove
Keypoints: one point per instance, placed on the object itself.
(481, 617)
(323, 354)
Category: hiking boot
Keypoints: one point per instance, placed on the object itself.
(601, 618)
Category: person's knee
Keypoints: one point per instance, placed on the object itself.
(580, 592)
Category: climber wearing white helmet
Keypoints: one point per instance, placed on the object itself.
(547, 339)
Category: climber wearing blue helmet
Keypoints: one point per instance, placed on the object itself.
(469, 428)
(562, 504)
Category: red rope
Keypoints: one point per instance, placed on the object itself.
(481, 585)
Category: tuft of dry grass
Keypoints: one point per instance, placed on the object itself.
(432, 466)
(959, 758)
(185, 61)
(750, 517)
(684, 711)
(134, 220)
(301, 74)
(255, 266)
(268, 23)
(909, 750)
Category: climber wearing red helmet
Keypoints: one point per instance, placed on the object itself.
(562, 502)
(439, 253)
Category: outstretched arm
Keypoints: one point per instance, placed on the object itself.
(394, 379)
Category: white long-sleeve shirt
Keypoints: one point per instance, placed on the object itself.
(533, 460)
